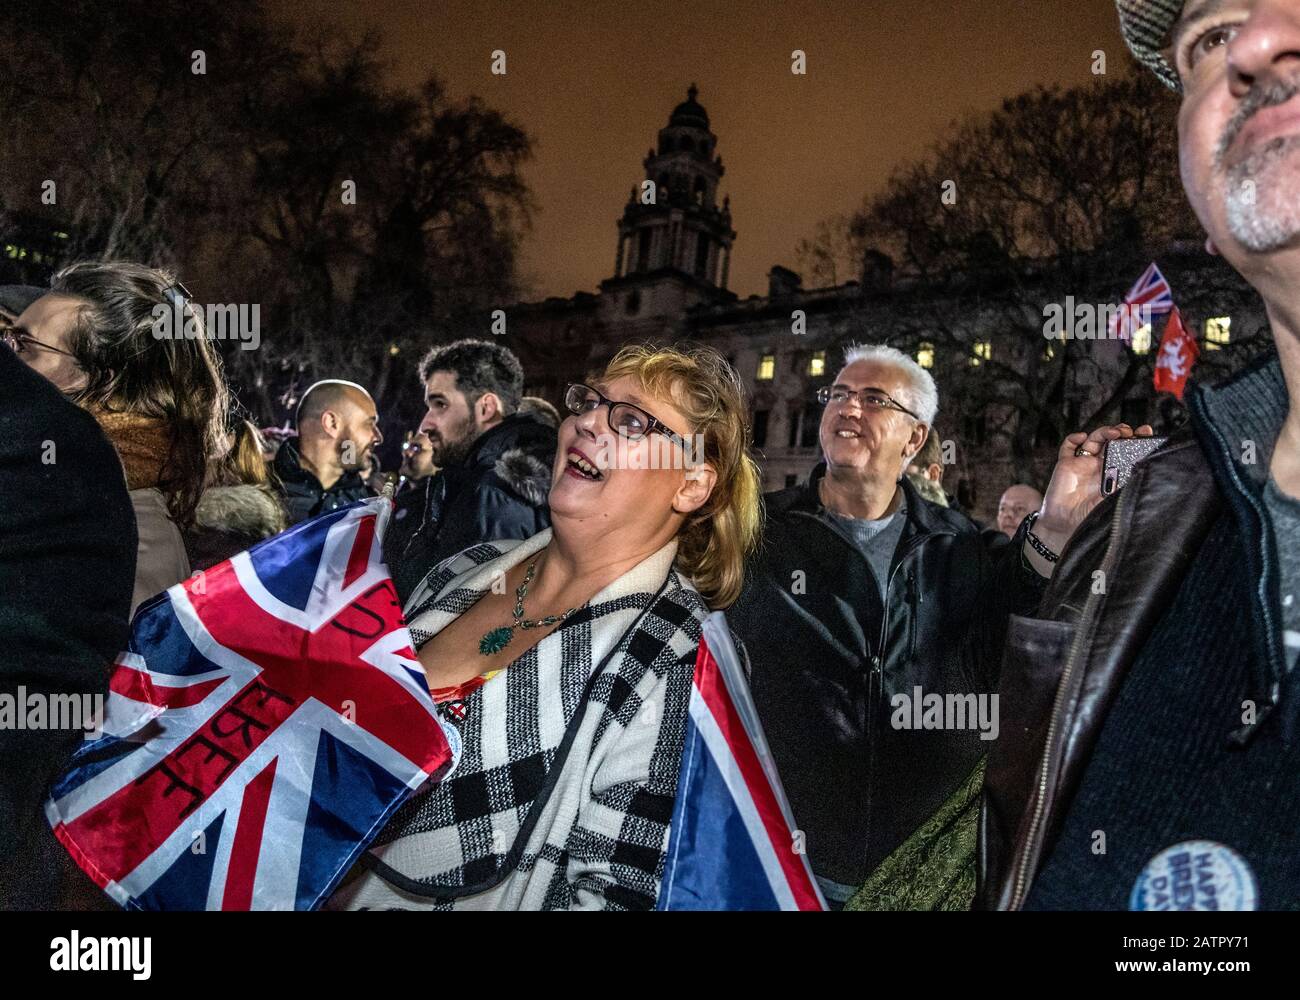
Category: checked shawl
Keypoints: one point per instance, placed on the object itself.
(565, 787)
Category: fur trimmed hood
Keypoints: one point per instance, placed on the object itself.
(230, 519)
(526, 474)
(249, 511)
(519, 452)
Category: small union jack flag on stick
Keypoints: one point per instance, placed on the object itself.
(1150, 296)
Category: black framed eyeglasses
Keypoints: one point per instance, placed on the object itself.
(628, 420)
(872, 399)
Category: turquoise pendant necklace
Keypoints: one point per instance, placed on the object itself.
(497, 639)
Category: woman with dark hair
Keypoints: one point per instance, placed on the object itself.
(122, 341)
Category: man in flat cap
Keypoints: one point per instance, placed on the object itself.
(1150, 747)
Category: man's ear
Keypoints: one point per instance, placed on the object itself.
(696, 488)
(332, 423)
(488, 407)
(1210, 248)
(915, 442)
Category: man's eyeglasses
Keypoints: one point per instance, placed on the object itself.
(630, 421)
(872, 399)
(19, 340)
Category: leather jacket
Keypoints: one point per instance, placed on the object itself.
(828, 662)
(1117, 576)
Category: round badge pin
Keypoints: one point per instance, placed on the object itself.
(1195, 875)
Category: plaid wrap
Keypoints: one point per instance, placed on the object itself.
(1145, 25)
(565, 787)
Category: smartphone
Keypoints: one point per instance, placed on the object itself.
(1118, 458)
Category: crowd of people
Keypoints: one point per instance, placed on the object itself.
(555, 574)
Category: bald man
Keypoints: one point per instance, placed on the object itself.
(338, 431)
(1017, 503)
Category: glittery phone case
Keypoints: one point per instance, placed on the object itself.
(1119, 456)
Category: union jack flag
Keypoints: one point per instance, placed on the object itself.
(1149, 296)
(268, 718)
(733, 844)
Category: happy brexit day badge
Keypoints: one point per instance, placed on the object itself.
(1195, 875)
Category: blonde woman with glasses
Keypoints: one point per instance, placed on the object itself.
(565, 660)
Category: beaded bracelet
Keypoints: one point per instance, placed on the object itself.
(1036, 542)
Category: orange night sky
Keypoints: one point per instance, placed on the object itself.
(593, 81)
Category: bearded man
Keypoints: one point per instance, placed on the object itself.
(1148, 757)
(494, 463)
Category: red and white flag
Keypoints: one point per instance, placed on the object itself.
(1178, 352)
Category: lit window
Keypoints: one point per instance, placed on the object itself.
(1141, 342)
(981, 351)
(1049, 352)
(817, 364)
(925, 355)
(1217, 332)
(393, 349)
(767, 368)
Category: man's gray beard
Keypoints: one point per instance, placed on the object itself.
(1261, 216)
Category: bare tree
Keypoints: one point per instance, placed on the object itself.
(269, 167)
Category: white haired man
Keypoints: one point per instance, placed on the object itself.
(864, 604)
(1160, 708)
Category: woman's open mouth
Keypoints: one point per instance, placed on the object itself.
(577, 465)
